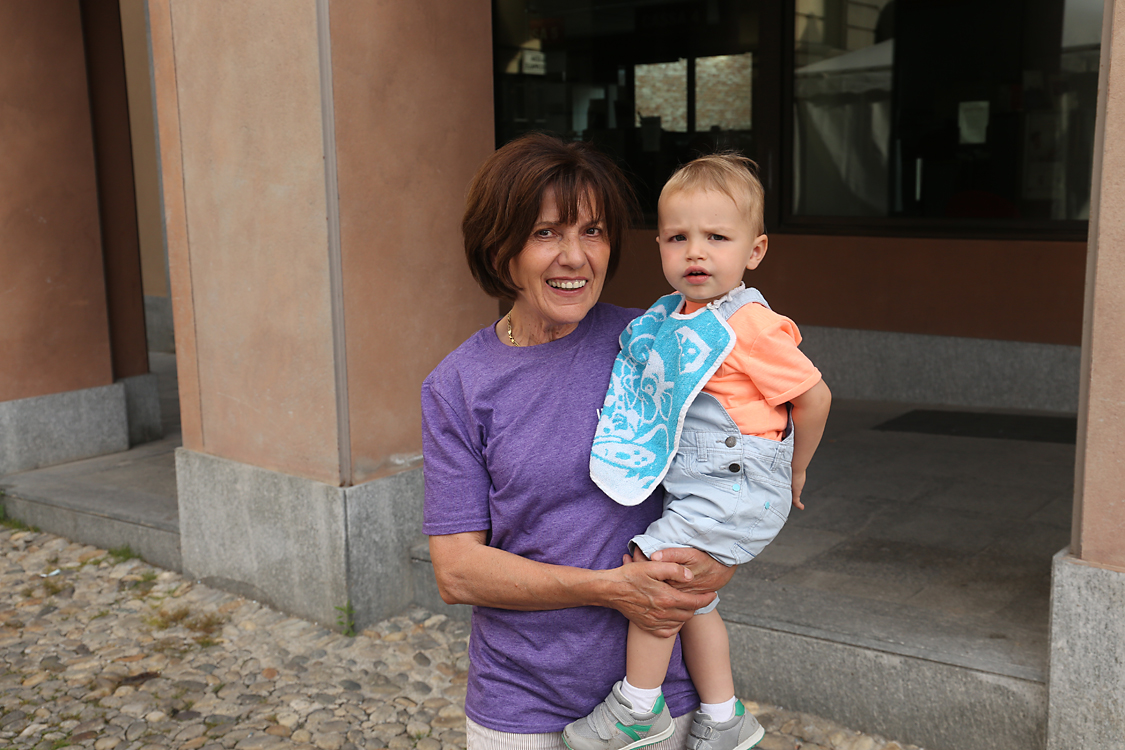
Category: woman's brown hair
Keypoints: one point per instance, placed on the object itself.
(507, 192)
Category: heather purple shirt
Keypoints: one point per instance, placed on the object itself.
(506, 433)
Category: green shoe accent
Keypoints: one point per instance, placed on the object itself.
(739, 709)
(633, 729)
(614, 724)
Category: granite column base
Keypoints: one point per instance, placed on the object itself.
(1086, 686)
(296, 544)
(61, 427)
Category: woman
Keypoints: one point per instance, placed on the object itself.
(516, 527)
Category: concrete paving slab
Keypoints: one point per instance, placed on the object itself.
(836, 513)
(990, 498)
(792, 548)
(964, 640)
(124, 498)
(1056, 513)
(131, 486)
(111, 501)
(932, 703)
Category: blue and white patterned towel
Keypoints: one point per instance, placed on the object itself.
(665, 361)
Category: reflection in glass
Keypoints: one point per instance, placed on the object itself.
(953, 110)
(661, 92)
(654, 82)
(722, 92)
(841, 132)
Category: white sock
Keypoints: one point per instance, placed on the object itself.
(719, 712)
(642, 699)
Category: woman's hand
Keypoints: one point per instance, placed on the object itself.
(707, 574)
(650, 595)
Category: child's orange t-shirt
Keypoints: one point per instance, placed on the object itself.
(763, 372)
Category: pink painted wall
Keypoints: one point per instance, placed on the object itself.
(1098, 532)
(413, 107)
(266, 378)
(117, 205)
(248, 256)
(170, 158)
(55, 334)
(990, 289)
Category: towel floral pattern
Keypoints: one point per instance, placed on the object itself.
(665, 360)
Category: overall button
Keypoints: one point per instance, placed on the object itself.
(734, 467)
(731, 441)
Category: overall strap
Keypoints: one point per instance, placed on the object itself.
(730, 303)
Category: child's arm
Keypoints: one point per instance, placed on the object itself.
(810, 412)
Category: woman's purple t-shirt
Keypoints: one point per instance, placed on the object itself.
(506, 434)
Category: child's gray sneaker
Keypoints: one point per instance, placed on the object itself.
(614, 726)
(741, 732)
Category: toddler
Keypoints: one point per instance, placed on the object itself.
(711, 397)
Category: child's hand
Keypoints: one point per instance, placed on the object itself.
(798, 485)
(810, 412)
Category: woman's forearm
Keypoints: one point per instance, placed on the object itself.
(470, 572)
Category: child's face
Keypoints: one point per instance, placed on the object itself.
(706, 243)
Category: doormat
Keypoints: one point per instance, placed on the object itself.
(984, 425)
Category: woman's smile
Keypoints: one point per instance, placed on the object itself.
(566, 284)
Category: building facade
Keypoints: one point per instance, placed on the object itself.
(284, 179)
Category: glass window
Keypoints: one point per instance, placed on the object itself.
(944, 109)
(660, 92)
(654, 82)
(722, 85)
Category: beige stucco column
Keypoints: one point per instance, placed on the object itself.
(1087, 670)
(315, 156)
(58, 397)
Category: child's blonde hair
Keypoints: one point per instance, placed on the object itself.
(729, 173)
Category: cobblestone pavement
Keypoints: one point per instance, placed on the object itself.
(101, 651)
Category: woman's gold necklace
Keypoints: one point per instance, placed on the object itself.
(510, 336)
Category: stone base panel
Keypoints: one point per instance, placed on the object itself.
(62, 427)
(426, 594)
(1086, 699)
(158, 324)
(142, 407)
(945, 370)
(297, 544)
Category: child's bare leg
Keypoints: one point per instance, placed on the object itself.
(707, 655)
(646, 658)
(646, 655)
(647, 663)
